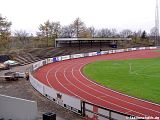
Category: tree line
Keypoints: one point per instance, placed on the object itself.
(49, 30)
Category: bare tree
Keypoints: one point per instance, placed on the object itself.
(139, 33)
(92, 31)
(4, 32)
(126, 33)
(55, 29)
(78, 27)
(67, 31)
(44, 31)
(153, 31)
(113, 32)
(49, 30)
(85, 34)
(105, 32)
(21, 38)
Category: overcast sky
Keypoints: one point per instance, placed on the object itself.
(120, 14)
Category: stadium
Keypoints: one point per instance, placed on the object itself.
(95, 78)
(63, 80)
(104, 68)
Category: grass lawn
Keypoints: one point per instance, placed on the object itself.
(157, 50)
(139, 78)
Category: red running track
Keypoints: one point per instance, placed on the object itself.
(66, 77)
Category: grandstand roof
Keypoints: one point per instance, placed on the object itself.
(93, 39)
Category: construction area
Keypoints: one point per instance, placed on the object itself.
(13, 81)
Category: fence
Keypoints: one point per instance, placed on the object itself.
(95, 112)
(88, 110)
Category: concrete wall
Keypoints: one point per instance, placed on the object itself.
(70, 102)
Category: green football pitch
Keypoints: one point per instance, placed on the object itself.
(139, 78)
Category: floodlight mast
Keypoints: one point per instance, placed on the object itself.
(157, 22)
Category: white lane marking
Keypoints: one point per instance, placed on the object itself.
(60, 82)
(90, 86)
(116, 91)
(98, 97)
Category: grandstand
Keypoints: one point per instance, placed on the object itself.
(113, 42)
(66, 46)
